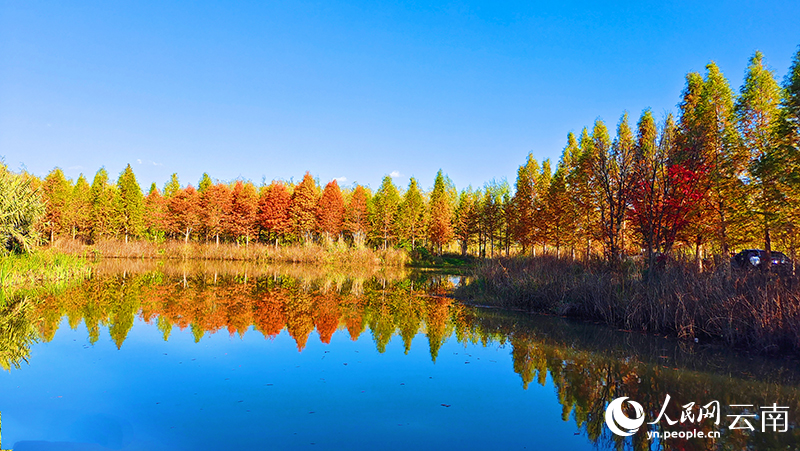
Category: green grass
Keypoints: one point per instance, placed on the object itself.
(422, 258)
(40, 271)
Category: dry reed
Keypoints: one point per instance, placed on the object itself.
(746, 309)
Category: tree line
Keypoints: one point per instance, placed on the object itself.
(724, 173)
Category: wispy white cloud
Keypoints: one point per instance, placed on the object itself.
(148, 162)
(340, 179)
(394, 174)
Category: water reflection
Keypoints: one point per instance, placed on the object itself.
(588, 365)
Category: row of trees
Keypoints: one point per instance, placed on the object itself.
(724, 173)
(241, 212)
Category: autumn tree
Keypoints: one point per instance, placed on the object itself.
(523, 203)
(154, 205)
(691, 159)
(557, 208)
(129, 208)
(467, 218)
(584, 192)
(103, 216)
(757, 112)
(330, 211)
(440, 228)
(562, 197)
(786, 157)
(541, 220)
(650, 185)
(411, 215)
(215, 202)
(273, 211)
(56, 193)
(243, 208)
(386, 203)
(303, 207)
(612, 170)
(356, 216)
(492, 212)
(665, 193)
(724, 154)
(183, 213)
(79, 213)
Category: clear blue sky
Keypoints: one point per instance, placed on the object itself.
(350, 89)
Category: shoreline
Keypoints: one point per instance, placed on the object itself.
(746, 310)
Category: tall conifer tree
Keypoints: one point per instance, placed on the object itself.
(440, 230)
(386, 203)
(130, 209)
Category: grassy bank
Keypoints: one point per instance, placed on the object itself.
(333, 254)
(43, 270)
(422, 258)
(746, 310)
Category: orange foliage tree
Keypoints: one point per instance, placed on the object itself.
(273, 211)
(244, 204)
(356, 219)
(216, 207)
(183, 212)
(330, 210)
(303, 208)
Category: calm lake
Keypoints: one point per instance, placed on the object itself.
(209, 356)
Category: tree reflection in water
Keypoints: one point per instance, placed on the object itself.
(588, 365)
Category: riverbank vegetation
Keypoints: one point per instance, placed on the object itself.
(748, 310)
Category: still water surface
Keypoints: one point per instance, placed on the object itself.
(205, 356)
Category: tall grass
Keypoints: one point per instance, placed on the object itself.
(748, 310)
(332, 254)
(39, 271)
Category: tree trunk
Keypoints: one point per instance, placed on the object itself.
(698, 261)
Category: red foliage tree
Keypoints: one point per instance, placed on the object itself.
(330, 210)
(273, 211)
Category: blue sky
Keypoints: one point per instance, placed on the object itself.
(268, 90)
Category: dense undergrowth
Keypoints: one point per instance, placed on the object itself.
(751, 310)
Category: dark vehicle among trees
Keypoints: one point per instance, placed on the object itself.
(754, 259)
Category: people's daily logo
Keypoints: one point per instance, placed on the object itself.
(706, 417)
(619, 422)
